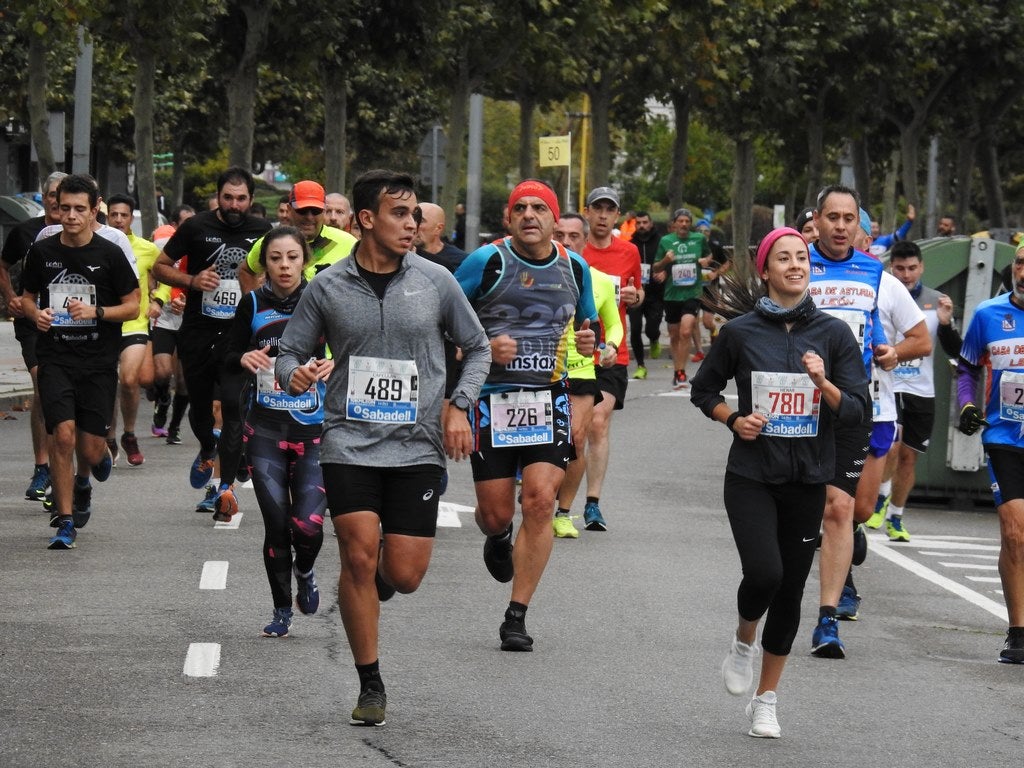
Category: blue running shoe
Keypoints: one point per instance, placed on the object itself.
(101, 471)
(81, 503)
(278, 626)
(849, 604)
(39, 484)
(825, 642)
(202, 470)
(592, 517)
(66, 534)
(307, 596)
(209, 501)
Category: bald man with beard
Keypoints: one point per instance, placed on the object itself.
(429, 244)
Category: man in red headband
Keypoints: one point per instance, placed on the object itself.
(526, 290)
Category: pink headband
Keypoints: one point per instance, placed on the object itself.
(533, 188)
(769, 241)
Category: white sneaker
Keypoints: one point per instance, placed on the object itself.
(761, 711)
(738, 667)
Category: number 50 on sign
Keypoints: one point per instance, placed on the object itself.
(554, 150)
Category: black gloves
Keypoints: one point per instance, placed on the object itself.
(971, 420)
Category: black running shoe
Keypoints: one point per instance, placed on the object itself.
(1013, 648)
(384, 590)
(513, 635)
(370, 708)
(498, 556)
(860, 545)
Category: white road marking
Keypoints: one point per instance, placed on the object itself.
(881, 547)
(986, 579)
(215, 575)
(945, 543)
(962, 554)
(973, 566)
(231, 524)
(202, 660)
(448, 514)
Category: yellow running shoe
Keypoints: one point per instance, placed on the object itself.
(881, 508)
(564, 529)
(894, 527)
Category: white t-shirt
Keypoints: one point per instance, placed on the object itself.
(899, 313)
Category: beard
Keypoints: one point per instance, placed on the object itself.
(232, 218)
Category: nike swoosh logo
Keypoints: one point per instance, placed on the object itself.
(810, 539)
(412, 293)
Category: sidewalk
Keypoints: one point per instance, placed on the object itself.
(15, 383)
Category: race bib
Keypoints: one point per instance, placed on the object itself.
(789, 401)
(384, 391)
(1011, 396)
(908, 369)
(854, 320)
(684, 274)
(521, 418)
(220, 303)
(617, 282)
(270, 395)
(645, 274)
(61, 294)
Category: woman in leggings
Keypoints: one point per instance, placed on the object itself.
(798, 372)
(282, 431)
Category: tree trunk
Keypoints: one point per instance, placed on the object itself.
(178, 174)
(910, 139)
(600, 134)
(887, 223)
(988, 165)
(966, 153)
(742, 201)
(861, 159)
(526, 137)
(680, 149)
(455, 150)
(815, 124)
(335, 86)
(38, 116)
(242, 82)
(145, 180)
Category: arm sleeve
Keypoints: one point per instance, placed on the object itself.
(950, 339)
(611, 323)
(470, 272)
(585, 309)
(969, 367)
(902, 232)
(252, 260)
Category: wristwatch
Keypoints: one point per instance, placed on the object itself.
(462, 402)
(99, 313)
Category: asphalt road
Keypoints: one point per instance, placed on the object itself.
(630, 628)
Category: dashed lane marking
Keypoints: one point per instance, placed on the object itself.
(202, 660)
(215, 575)
(233, 523)
(448, 514)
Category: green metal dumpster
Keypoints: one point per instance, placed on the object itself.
(967, 269)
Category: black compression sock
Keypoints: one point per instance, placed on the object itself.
(515, 610)
(826, 610)
(592, 499)
(369, 676)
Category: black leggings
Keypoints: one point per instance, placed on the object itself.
(776, 532)
(290, 491)
(650, 313)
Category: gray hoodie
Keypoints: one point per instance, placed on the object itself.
(421, 304)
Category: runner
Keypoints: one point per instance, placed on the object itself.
(85, 289)
(282, 431)
(215, 242)
(527, 291)
(384, 313)
(798, 372)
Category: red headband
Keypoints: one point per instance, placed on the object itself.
(535, 189)
(769, 241)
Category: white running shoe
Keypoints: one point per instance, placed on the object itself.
(738, 667)
(761, 711)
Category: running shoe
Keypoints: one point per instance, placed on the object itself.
(173, 436)
(738, 667)
(158, 431)
(278, 626)
(370, 708)
(130, 443)
(564, 529)
(592, 519)
(894, 527)
(81, 503)
(242, 475)
(641, 372)
(655, 350)
(849, 605)
(384, 590)
(66, 534)
(1013, 648)
(761, 711)
(679, 380)
(825, 642)
(101, 471)
(160, 409)
(114, 451)
(202, 470)
(860, 544)
(881, 509)
(697, 357)
(307, 596)
(513, 635)
(225, 505)
(206, 505)
(498, 556)
(39, 484)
